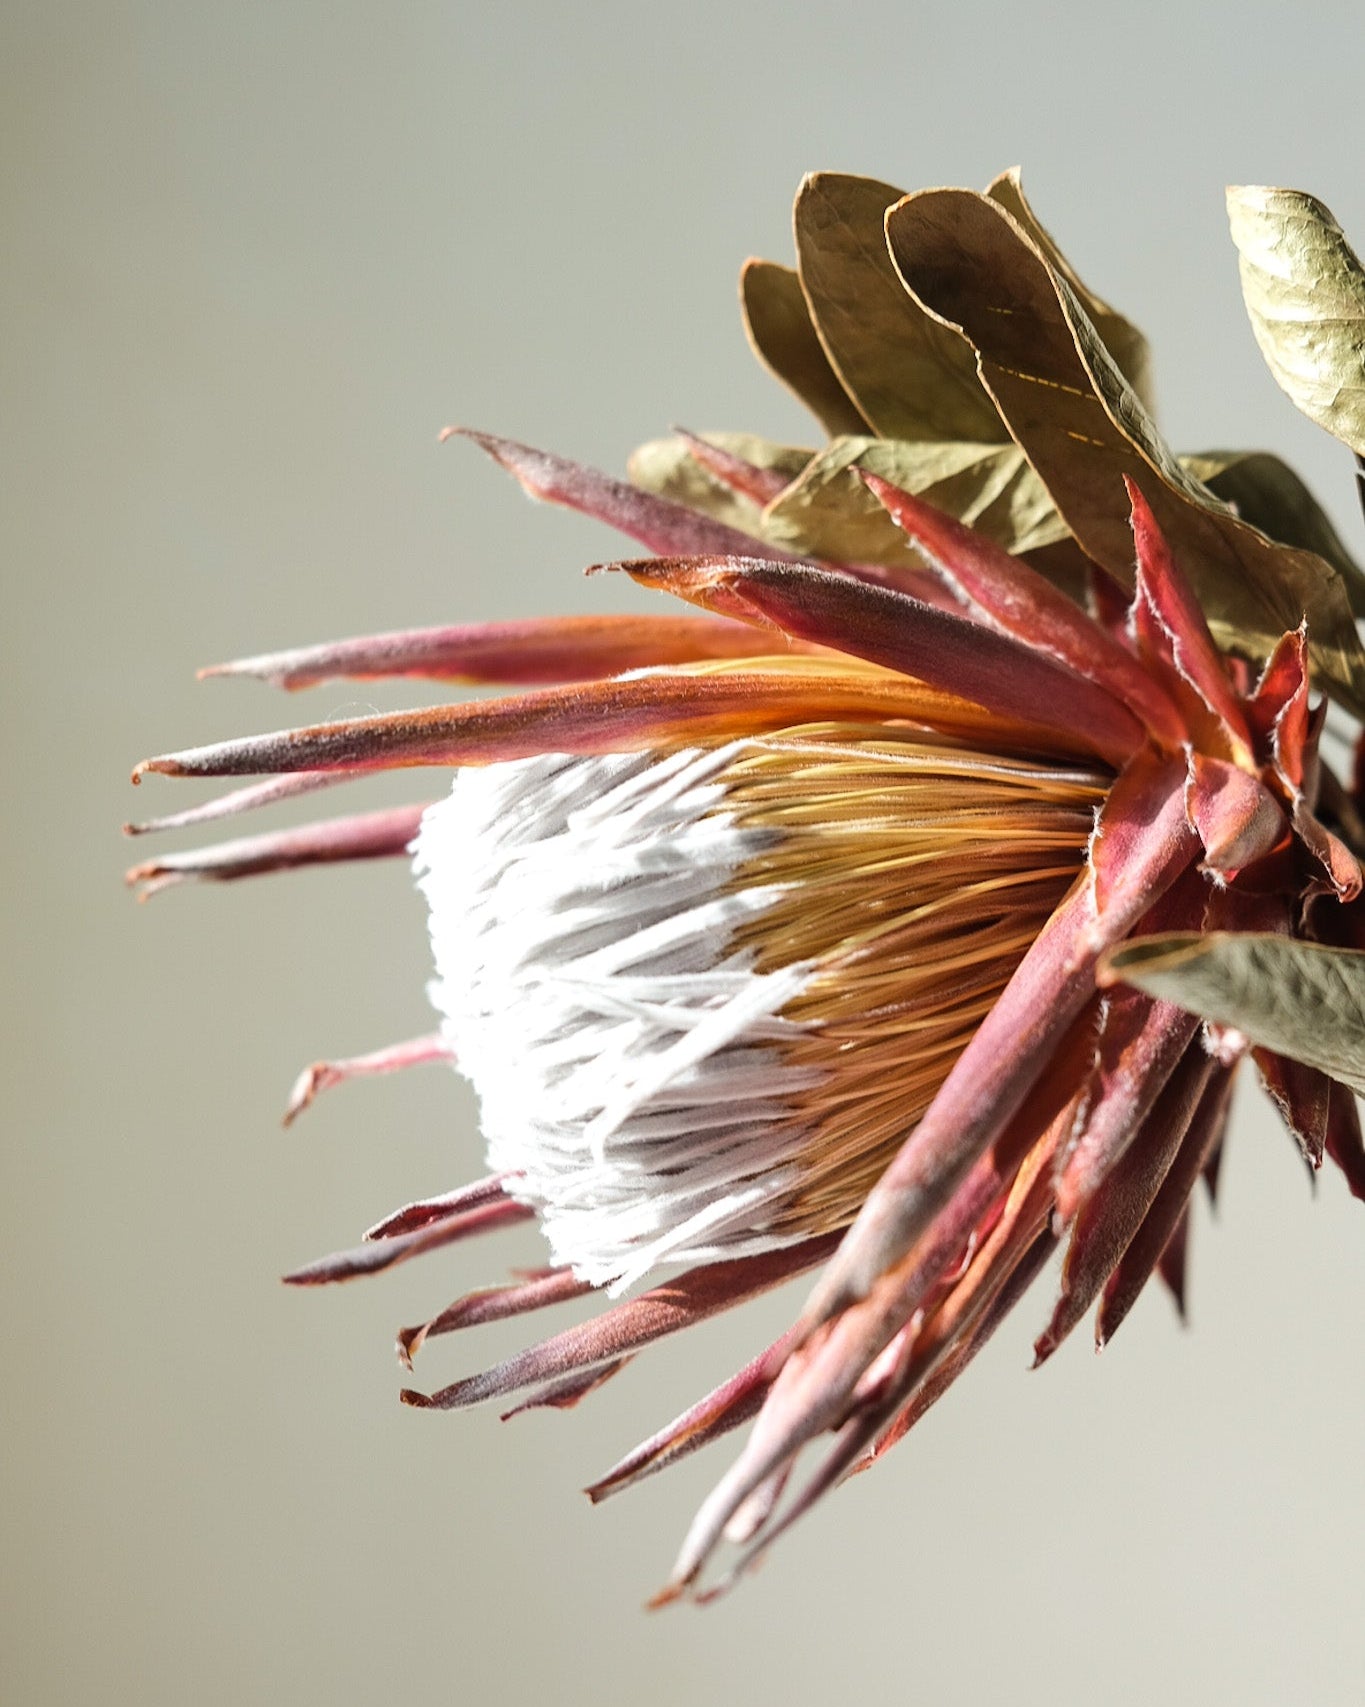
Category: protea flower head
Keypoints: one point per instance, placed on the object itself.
(908, 913)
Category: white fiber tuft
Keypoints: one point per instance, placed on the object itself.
(628, 1058)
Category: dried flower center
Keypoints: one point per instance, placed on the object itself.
(704, 995)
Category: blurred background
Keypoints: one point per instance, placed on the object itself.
(256, 256)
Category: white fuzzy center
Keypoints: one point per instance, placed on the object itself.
(627, 1057)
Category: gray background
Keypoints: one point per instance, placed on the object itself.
(256, 255)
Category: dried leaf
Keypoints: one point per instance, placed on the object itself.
(1121, 338)
(778, 325)
(1304, 290)
(1300, 999)
(828, 512)
(1084, 428)
(668, 468)
(1267, 493)
(911, 376)
(825, 512)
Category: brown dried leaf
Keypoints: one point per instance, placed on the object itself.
(778, 325)
(1266, 492)
(828, 512)
(911, 376)
(668, 468)
(1122, 339)
(1084, 429)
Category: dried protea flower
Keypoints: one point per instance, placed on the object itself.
(909, 912)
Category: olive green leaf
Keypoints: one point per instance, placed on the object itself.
(1120, 337)
(911, 376)
(1298, 998)
(1266, 492)
(778, 326)
(668, 468)
(1304, 289)
(1084, 428)
(828, 512)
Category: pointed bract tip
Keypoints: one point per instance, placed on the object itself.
(310, 1082)
(153, 879)
(491, 442)
(165, 764)
(668, 1595)
(259, 668)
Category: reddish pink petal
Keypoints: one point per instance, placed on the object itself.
(885, 626)
(396, 1058)
(1172, 1264)
(426, 1211)
(564, 1395)
(1108, 1222)
(1213, 1168)
(536, 1291)
(1160, 1240)
(823, 1381)
(920, 1352)
(1339, 807)
(1139, 1047)
(724, 1408)
(1278, 709)
(1344, 1143)
(368, 835)
(1341, 873)
(658, 523)
(761, 485)
(1302, 1095)
(1109, 602)
(962, 1353)
(1143, 831)
(380, 1254)
(537, 651)
(637, 1322)
(1020, 602)
(596, 717)
(1165, 595)
(240, 800)
(1234, 814)
(1142, 845)
(1138, 1044)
